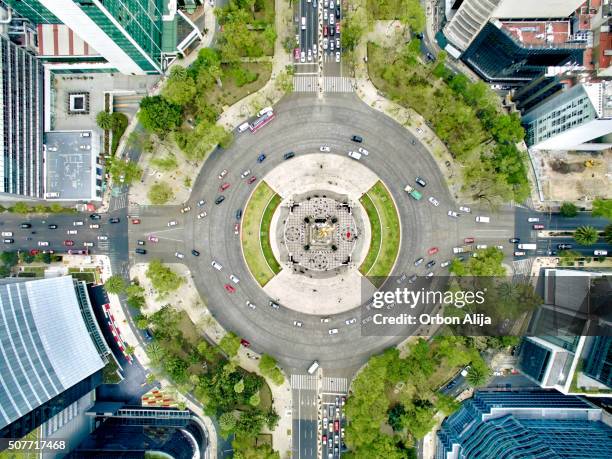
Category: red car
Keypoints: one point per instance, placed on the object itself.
(336, 425)
(245, 343)
(237, 229)
(68, 243)
(325, 31)
(135, 221)
(34, 252)
(337, 27)
(468, 240)
(296, 54)
(224, 187)
(153, 239)
(432, 251)
(229, 288)
(538, 226)
(324, 439)
(251, 180)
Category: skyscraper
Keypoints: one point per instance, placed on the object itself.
(21, 130)
(127, 33)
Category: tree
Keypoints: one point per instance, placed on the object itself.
(239, 387)
(255, 400)
(477, 375)
(446, 404)
(394, 417)
(136, 302)
(105, 120)
(20, 208)
(602, 208)
(163, 279)
(129, 349)
(608, 234)
(155, 352)
(134, 290)
(488, 262)
(227, 422)
(142, 322)
(586, 235)
(180, 89)
(160, 193)
(121, 171)
(158, 115)
(568, 209)
(9, 259)
(115, 285)
(229, 344)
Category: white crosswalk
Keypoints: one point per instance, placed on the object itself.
(522, 266)
(335, 385)
(118, 202)
(305, 83)
(337, 84)
(304, 382)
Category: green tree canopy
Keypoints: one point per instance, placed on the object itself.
(105, 120)
(568, 209)
(122, 171)
(602, 208)
(163, 279)
(586, 235)
(180, 88)
(230, 343)
(158, 115)
(115, 284)
(488, 262)
(608, 234)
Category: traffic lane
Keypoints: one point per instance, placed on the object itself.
(305, 422)
(558, 222)
(546, 244)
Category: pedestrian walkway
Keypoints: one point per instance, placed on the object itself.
(118, 202)
(335, 385)
(522, 267)
(338, 84)
(304, 382)
(305, 83)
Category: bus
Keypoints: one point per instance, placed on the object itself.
(261, 121)
(314, 367)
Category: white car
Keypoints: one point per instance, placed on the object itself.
(601, 253)
(332, 19)
(297, 39)
(234, 279)
(519, 254)
(452, 213)
(94, 226)
(331, 45)
(481, 246)
(102, 238)
(172, 223)
(350, 321)
(325, 15)
(363, 151)
(434, 201)
(179, 255)
(222, 174)
(325, 43)
(354, 155)
(185, 209)
(314, 49)
(43, 244)
(333, 331)
(251, 305)
(79, 223)
(324, 148)
(324, 320)
(467, 210)
(419, 130)
(71, 232)
(533, 219)
(309, 55)
(303, 57)
(444, 264)
(201, 203)
(245, 173)
(88, 244)
(337, 56)
(216, 265)
(297, 323)
(331, 4)
(500, 247)
(202, 215)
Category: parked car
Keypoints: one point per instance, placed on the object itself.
(195, 253)
(452, 213)
(434, 201)
(261, 158)
(421, 181)
(357, 138)
(185, 209)
(538, 226)
(432, 251)
(467, 210)
(229, 288)
(468, 240)
(153, 238)
(114, 220)
(135, 221)
(222, 174)
(224, 186)
(179, 255)
(201, 203)
(219, 200)
(514, 240)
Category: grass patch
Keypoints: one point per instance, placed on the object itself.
(256, 234)
(87, 275)
(385, 239)
(232, 91)
(32, 436)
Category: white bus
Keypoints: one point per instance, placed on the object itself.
(314, 367)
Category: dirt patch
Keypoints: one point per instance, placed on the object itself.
(563, 167)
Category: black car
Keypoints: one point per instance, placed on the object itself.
(332, 31)
(115, 220)
(273, 304)
(195, 253)
(219, 200)
(95, 216)
(140, 251)
(418, 261)
(26, 225)
(357, 139)
(421, 181)
(431, 264)
(289, 155)
(337, 11)
(515, 240)
(238, 214)
(564, 246)
(52, 226)
(147, 334)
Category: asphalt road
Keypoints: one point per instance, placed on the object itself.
(333, 119)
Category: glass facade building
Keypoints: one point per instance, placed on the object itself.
(21, 122)
(128, 33)
(598, 363)
(50, 357)
(524, 423)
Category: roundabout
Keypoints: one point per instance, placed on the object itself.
(367, 245)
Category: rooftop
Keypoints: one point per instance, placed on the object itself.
(538, 32)
(70, 163)
(46, 347)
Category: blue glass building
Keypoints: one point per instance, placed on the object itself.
(524, 424)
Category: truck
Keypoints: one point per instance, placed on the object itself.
(482, 219)
(527, 246)
(413, 193)
(463, 249)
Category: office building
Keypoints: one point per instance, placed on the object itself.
(602, 39)
(525, 423)
(468, 17)
(53, 353)
(21, 122)
(566, 349)
(577, 118)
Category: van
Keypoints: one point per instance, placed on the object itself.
(7, 233)
(265, 110)
(303, 23)
(481, 219)
(243, 127)
(354, 155)
(314, 367)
